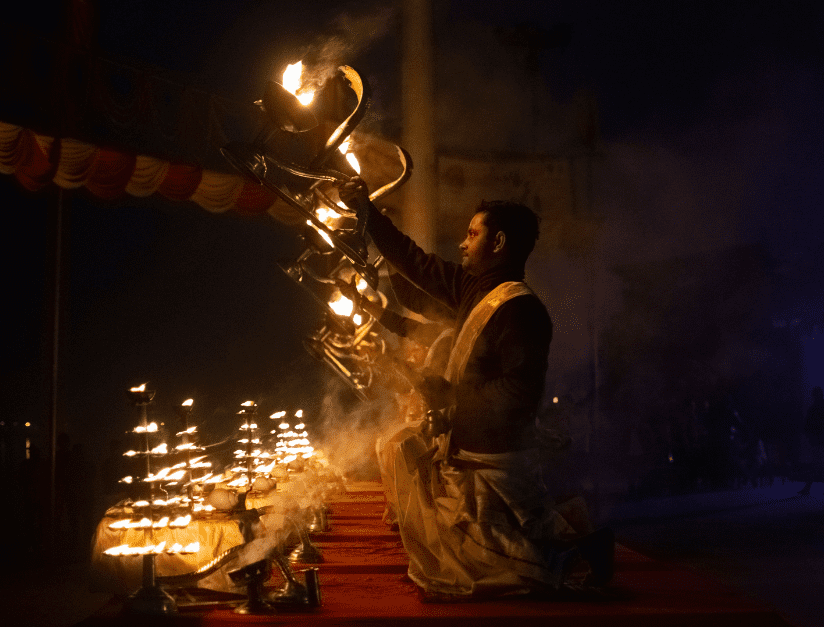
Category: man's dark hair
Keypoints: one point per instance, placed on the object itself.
(518, 222)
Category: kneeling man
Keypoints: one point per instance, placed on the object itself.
(473, 511)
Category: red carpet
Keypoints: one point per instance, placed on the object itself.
(363, 582)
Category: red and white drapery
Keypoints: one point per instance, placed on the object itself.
(38, 160)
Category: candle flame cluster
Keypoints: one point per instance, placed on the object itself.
(293, 442)
(147, 523)
(156, 549)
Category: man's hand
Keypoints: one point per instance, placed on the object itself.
(435, 390)
(354, 193)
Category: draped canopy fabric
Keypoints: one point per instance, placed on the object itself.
(38, 160)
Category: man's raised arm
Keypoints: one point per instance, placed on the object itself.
(439, 278)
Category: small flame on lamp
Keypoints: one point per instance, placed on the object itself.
(140, 388)
(350, 157)
(181, 521)
(322, 233)
(326, 215)
(342, 305)
(292, 83)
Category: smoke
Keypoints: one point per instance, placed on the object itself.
(351, 429)
(351, 35)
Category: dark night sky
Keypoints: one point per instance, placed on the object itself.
(730, 93)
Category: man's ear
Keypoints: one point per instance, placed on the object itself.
(500, 241)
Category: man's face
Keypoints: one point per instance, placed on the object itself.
(477, 249)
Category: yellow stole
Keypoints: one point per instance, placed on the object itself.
(475, 323)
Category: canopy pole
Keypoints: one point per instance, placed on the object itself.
(57, 249)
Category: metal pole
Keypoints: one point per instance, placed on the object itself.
(53, 379)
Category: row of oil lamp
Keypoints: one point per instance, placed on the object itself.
(257, 467)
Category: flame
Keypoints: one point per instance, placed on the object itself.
(128, 523)
(357, 319)
(326, 215)
(126, 550)
(353, 161)
(322, 233)
(181, 521)
(299, 413)
(278, 414)
(188, 402)
(292, 83)
(267, 468)
(150, 428)
(342, 305)
(160, 449)
(159, 475)
(284, 425)
(118, 550)
(350, 157)
(247, 404)
(300, 426)
(139, 388)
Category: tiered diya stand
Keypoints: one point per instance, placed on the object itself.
(252, 460)
(153, 513)
(198, 468)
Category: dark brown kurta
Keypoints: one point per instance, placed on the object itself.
(503, 383)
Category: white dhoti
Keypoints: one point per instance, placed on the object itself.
(475, 524)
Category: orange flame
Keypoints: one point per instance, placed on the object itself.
(293, 83)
